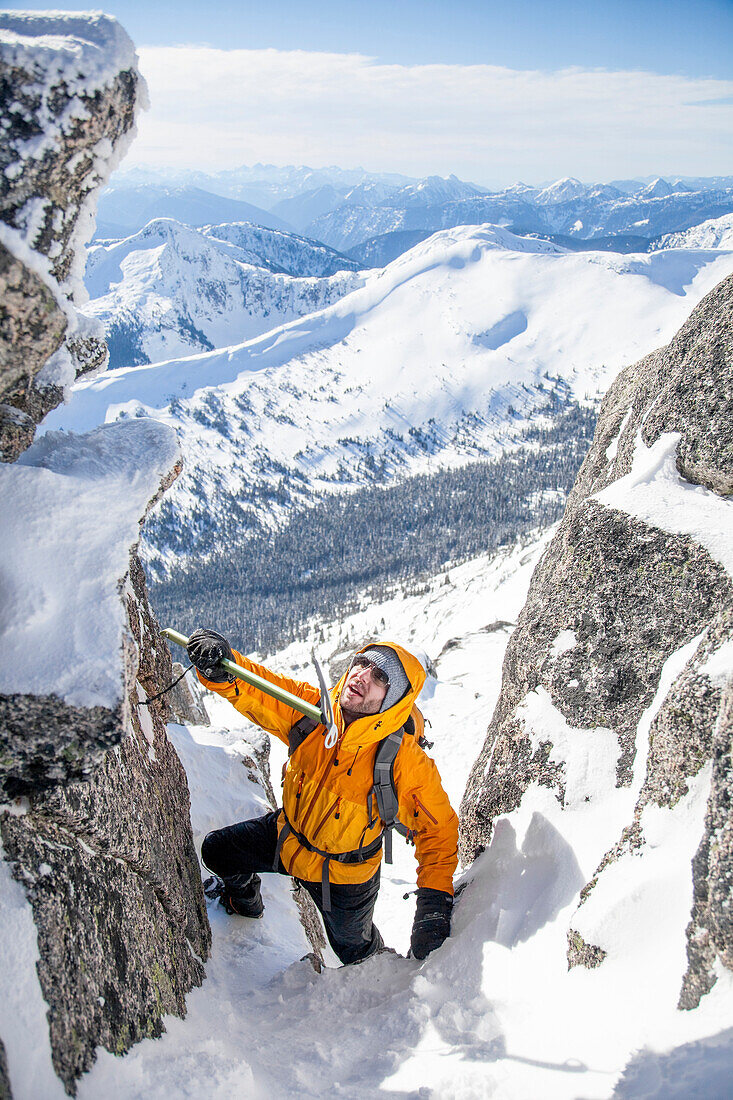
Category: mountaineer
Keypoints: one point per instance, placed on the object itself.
(329, 833)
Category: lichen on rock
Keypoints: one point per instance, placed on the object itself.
(581, 953)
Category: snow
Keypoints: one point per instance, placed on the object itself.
(719, 665)
(712, 233)
(186, 291)
(23, 1022)
(612, 448)
(563, 643)
(84, 51)
(654, 492)
(562, 190)
(589, 756)
(72, 506)
(640, 904)
(495, 1012)
(39, 264)
(445, 339)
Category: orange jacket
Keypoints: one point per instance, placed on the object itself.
(325, 791)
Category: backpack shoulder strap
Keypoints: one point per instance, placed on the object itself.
(385, 790)
(303, 728)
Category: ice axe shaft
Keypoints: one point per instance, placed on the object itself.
(256, 681)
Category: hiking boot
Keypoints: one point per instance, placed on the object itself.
(239, 895)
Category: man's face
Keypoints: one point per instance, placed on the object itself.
(364, 688)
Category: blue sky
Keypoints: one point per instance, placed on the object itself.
(495, 92)
(690, 37)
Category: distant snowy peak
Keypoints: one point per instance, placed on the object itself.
(567, 207)
(657, 189)
(171, 290)
(108, 263)
(430, 191)
(714, 233)
(437, 189)
(371, 193)
(268, 186)
(562, 190)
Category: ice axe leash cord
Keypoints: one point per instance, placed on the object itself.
(322, 714)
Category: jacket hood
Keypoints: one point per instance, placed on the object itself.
(375, 727)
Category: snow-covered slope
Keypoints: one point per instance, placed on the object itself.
(284, 253)
(495, 1011)
(442, 356)
(714, 233)
(170, 290)
(92, 492)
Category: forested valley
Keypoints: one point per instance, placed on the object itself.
(328, 557)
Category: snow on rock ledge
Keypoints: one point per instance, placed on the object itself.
(70, 90)
(101, 839)
(73, 507)
(639, 573)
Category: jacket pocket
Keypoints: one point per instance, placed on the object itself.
(425, 810)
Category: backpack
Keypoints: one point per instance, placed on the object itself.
(383, 794)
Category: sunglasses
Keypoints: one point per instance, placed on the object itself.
(378, 674)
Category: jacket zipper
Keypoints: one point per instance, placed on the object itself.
(324, 819)
(304, 820)
(424, 809)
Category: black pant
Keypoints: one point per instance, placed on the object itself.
(249, 847)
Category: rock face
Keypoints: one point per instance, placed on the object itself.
(95, 814)
(68, 91)
(187, 699)
(111, 872)
(32, 328)
(639, 569)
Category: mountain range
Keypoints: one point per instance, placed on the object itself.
(566, 207)
(348, 211)
(444, 356)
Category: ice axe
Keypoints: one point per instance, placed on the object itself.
(323, 714)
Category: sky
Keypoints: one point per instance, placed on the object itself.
(493, 91)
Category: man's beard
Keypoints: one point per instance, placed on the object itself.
(351, 714)
(358, 711)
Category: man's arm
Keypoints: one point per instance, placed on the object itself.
(426, 810)
(271, 715)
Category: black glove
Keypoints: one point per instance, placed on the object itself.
(432, 921)
(205, 650)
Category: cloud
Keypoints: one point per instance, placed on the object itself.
(217, 108)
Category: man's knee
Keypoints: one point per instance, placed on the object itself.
(210, 849)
